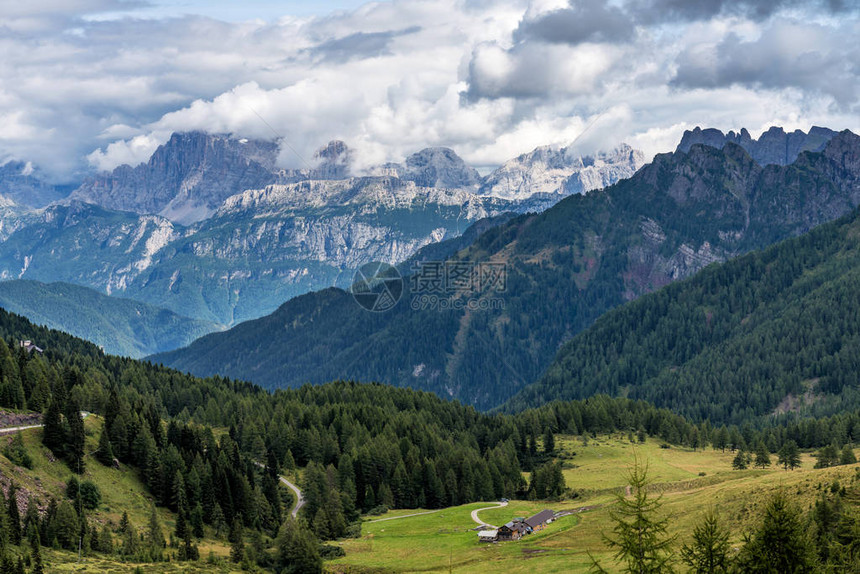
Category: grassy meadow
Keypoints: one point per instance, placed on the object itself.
(689, 482)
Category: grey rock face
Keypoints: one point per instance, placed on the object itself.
(186, 179)
(775, 146)
(438, 167)
(550, 173)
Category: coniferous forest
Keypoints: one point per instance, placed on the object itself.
(210, 450)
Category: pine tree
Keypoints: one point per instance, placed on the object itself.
(762, 456)
(780, 542)
(105, 450)
(14, 515)
(53, 433)
(36, 553)
(789, 455)
(237, 541)
(709, 551)
(548, 441)
(124, 523)
(740, 460)
(298, 550)
(639, 535)
(847, 455)
(197, 521)
(76, 437)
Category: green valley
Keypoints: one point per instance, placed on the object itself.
(122, 326)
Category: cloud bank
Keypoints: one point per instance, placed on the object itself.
(85, 88)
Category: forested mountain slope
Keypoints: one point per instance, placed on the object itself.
(565, 267)
(769, 332)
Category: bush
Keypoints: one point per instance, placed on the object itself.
(377, 510)
(17, 452)
(330, 552)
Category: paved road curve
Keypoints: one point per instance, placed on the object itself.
(300, 500)
(84, 414)
(480, 522)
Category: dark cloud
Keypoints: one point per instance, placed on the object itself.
(583, 21)
(787, 55)
(660, 11)
(359, 45)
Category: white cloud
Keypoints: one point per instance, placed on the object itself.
(489, 78)
(130, 152)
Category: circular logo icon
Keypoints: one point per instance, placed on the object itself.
(377, 286)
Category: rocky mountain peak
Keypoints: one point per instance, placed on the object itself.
(774, 146)
(549, 170)
(439, 167)
(187, 178)
(333, 161)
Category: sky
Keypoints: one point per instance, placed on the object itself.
(89, 85)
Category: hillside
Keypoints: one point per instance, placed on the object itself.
(121, 326)
(193, 448)
(563, 268)
(766, 333)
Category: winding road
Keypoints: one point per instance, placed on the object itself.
(300, 500)
(480, 522)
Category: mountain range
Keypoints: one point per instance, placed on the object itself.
(563, 269)
(210, 228)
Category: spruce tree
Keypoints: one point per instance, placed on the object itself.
(105, 450)
(789, 455)
(762, 456)
(548, 441)
(780, 543)
(709, 551)
(740, 460)
(53, 432)
(298, 550)
(197, 521)
(847, 455)
(76, 438)
(14, 515)
(154, 535)
(237, 541)
(36, 552)
(639, 534)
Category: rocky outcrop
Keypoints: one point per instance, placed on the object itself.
(548, 171)
(775, 146)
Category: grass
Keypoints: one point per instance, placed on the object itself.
(121, 490)
(444, 541)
